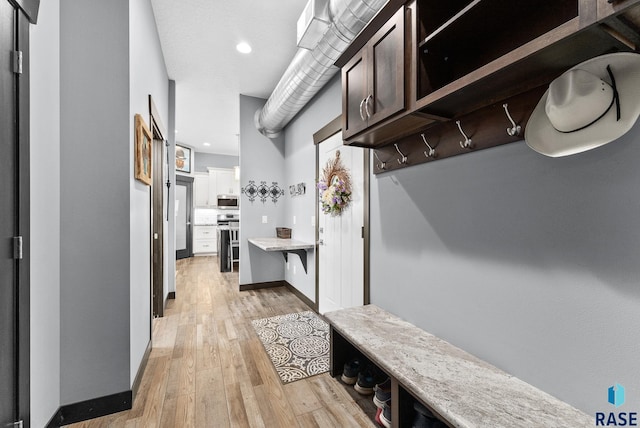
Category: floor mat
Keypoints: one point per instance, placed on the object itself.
(298, 344)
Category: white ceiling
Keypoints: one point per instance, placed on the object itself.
(199, 39)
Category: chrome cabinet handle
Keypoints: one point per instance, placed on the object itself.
(361, 113)
(366, 105)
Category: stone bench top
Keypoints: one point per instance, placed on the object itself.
(463, 389)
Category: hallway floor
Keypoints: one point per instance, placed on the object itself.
(208, 368)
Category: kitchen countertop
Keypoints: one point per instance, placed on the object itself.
(464, 389)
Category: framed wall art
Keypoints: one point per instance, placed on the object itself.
(183, 159)
(143, 144)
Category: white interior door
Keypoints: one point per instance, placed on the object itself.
(341, 244)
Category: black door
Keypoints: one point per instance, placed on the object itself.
(184, 229)
(8, 217)
(14, 209)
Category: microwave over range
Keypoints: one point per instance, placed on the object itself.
(227, 202)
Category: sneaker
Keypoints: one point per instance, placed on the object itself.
(385, 415)
(366, 380)
(424, 418)
(382, 393)
(351, 370)
(378, 414)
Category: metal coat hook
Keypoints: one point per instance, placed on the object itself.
(404, 158)
(432, 152)
(515, 128)
(466, 144)
(381, 165)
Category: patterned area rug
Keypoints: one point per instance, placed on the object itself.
(298, 344)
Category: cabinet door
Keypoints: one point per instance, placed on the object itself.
(354, 92)
(225, 182)
(386, 70)
(213, 188)
(201, 184)
(236, 184)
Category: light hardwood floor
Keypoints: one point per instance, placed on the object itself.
(208, 368)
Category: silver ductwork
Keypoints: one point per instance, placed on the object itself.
(310, 70)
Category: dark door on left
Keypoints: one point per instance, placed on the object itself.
(14, 211)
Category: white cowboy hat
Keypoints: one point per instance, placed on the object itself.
(588, 106)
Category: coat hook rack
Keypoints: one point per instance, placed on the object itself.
(443, 139)
(404, 158)
(381, 165)
(432, 152)
(466, 144)
(515, 128)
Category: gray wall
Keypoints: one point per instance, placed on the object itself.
(261, 159)
(203, 160)
(528, 262)
(171, 245)
(45, 214)
(299, 166)
(94, 199)
(147, 76)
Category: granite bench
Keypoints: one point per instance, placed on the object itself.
(459, 388)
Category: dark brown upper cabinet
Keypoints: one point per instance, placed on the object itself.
(461, 60)
(373, 80)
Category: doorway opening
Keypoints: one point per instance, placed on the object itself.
(184, 207)
(157, 212)
(342, 256)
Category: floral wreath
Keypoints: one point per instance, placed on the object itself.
(335, 187)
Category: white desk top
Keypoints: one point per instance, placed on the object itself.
(279, 244)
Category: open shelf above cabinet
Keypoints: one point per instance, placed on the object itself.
(455, 44)
(463, 58)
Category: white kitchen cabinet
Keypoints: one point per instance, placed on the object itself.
(225, 182)
(218, 181)
(213, 187)
(201, 190)
(205, 240)
(236, 181)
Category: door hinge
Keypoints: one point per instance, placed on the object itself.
(17, 247)
(16, 59)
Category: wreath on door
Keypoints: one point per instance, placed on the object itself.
(335, 187)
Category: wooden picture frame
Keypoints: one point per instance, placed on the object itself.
(183, 159)
(143, 147)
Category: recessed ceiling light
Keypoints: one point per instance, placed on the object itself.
(243, 48)
(206, 144)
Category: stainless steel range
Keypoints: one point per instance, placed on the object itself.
(224, 219)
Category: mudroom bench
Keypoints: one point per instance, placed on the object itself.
(460, 389)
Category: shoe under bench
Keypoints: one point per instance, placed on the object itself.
(459, 388)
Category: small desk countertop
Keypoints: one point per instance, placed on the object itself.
(279, 244)
(285, 246)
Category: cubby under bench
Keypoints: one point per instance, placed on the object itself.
(460, 389)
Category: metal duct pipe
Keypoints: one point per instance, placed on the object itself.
(310, 70)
